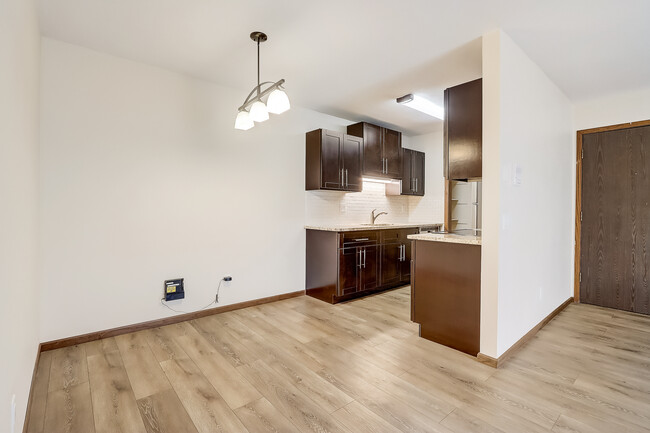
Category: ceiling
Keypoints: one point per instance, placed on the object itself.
(353, 58)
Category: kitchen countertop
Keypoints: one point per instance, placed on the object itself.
(362, 227)
(447, 237)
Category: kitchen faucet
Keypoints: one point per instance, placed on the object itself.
(373, 217)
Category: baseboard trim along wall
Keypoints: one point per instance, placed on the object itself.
(92, 336)
(496, 363)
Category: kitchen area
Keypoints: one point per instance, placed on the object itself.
(383, 215)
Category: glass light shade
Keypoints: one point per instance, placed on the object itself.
(259, 113)
(278, 102)
(243, 121)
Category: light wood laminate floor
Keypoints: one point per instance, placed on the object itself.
(301, 365)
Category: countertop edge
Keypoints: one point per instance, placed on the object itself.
(449, 238)
(357, 228)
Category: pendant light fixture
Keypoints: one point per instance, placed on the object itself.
(254, 109)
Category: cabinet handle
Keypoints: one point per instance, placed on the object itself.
(346, 178)
(416, 184)
(385, 165)
(364, 258)
(361, 239)
(401, 253)
(360, 263)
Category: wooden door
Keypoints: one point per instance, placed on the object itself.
(351, 157)
(390, 263)
(392, 153)
(349, 263)
(331, 176)
(407, 179)
(615, 204)
(369, 275)
(463, 131)
(417, 172)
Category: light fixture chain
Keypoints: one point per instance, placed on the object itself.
(258, 66)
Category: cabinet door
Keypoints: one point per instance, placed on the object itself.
(370, 270)
(373, 164)
(392, 153)
(390, 264)
(351, 157)
(331, 176)
(405, 265)
(349, 266)
(463, 130)
(407, 181)
(417, 172)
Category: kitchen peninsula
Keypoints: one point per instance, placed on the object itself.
(446, 289)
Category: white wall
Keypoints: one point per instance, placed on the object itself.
(624, 107)
(144, 179)
(331, 207)
(19, 62)
(534, 245)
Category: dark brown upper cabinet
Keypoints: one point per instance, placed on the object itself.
(463, 131)
(382, 150)
(333, 161)
(412, 172)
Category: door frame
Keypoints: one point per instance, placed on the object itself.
(578, 223)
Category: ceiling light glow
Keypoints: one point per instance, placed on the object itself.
(423, 105)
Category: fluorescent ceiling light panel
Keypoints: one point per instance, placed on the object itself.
(423, 105)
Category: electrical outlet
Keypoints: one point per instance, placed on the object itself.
(13, 413)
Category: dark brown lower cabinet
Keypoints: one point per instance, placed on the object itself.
(344, 265)
(395, 263)
(446, 293)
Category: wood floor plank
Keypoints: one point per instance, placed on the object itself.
(36, 414)
(68, 368)
(207, 409)
(225, 378)
(357, 418)
(321, 392)
(231, 348)
(145, 375)
(294, 405)
(261, 416)
(163, 412)
(114, 406)
(162, 343)
(69, 410)
(460, 421)
(100, 347)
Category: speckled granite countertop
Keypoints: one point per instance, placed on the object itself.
(447, 237)
(363, 227)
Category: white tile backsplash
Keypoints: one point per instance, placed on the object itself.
(332, 207)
